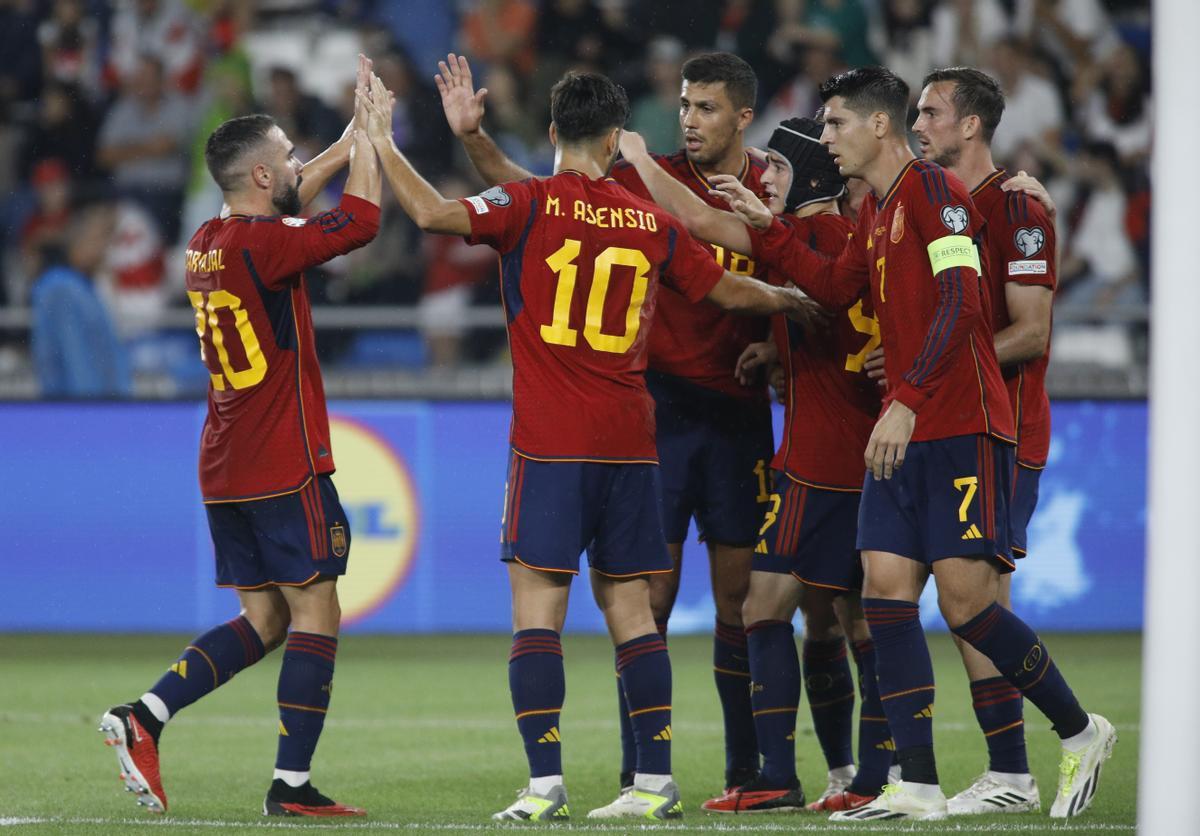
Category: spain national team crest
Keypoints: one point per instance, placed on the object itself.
(897, 224)
(337, 538)
(955, 218)
(383, 517)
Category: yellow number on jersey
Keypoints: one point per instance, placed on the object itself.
(772, 514)
(863, 324)
(560, 332)
(207, 317)
(881, 266)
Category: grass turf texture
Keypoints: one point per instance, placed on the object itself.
(421, 734)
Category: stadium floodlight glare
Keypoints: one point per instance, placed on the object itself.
(1171, 656)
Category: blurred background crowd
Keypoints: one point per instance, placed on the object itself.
(105, 106)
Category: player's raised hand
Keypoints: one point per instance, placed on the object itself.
(874, 367)
(753, 358)
(376, 103)
(462, 103)
(1023, 182)
(742, 202)
(633, 145)
(889, 440)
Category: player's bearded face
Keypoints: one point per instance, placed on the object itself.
(937, 127)
(286, 197)
(709, 122)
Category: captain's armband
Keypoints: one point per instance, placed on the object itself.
(953, 251)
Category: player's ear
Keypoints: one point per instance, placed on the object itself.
(970, 127)
(881, 123)
(261, 175)
(612, 142)
(745, 117)
(553, 135)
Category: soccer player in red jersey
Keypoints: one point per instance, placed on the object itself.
(714, 434)
(940, 457)
(280, 535)
(582, 260)
(806, 556)
(959, 110)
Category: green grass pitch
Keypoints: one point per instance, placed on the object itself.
(421, 734)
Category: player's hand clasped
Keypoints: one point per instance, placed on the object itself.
(889, 440)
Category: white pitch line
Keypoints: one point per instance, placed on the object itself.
(427, 722)
(707, 827)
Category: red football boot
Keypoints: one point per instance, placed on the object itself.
(838, 802)
(754, 797)
(137, 754)
(305, 800)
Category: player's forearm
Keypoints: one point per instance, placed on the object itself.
(1021, 342)
(320, 169)
(417, 196)
(701, 220)
(493, 165)
(816, 274)
(742, 295)
(364, 180)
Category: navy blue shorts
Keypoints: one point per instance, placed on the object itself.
(1024, 501)
(287, 540)
(949, 499)
(714, 451)
(810, 533)
(553, 510)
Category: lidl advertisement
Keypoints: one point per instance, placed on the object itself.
(105, 531)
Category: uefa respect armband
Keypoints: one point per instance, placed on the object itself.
(953, 251)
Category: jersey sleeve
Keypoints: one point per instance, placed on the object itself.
(286, 246)
(947, 224)
(833, 281)
(1028, 243)
(688, 267)
(625, 174)
(500, 215)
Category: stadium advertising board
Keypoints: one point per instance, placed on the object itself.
(106, 531)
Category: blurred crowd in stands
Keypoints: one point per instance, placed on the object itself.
(105, 106)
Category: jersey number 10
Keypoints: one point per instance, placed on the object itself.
(562, 262)
(208, 328)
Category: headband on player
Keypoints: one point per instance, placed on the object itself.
(814, 175)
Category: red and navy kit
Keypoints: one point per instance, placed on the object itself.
(951, 496)
(267, 430)
(701, 344)
(581, 264)
(1021, 246)
(830, 408)
(939, 355)
(581, 261)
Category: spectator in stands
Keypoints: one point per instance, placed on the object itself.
(70, 46)
(64, 128)
(1033, 111)
(846, 22)
(46, 225)
(1073, 32)
(902, 36)
(655, 115)
(1117, 105)
(76, 352)
(964, 31)
(21, 69)
(133, 270)
(1099, 268)
(166, 29)
(418, 123)
(515, 129)
(800, 96)
(501, 32)
(143, 142)
(310, 123)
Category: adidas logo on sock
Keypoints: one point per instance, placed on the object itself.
(665, 734)
(551, 736)
(926, 712)
(180, 668)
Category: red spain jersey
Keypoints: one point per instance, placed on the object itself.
(1021, 247)
(267, 431)
(916, 249)
(581, 261)
(831, 404)
(702, 343)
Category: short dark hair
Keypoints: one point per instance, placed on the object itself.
(587, 105)
(868, 90)
(975, 94)
(741, 85)
(227, 144)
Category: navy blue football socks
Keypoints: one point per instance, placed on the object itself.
(775, 696)
(1023, 660)
(628, 744)
(731, 670)
(905, 675)
(305, 687)
(829, 686)
(645, 671)
(538, 687)
(998, 708)
(209, 662)
(875, 746)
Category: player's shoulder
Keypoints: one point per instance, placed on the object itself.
(938, 185)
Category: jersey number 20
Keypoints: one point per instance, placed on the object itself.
(562, 262)
(208, 328)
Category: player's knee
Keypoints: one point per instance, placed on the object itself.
(729, 607)
(271, 627)
(959, 609)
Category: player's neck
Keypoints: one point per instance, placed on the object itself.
(825, 207)
(886, 167)
(567, 159)
(732, 163)
(250, 204)
(974, 165)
